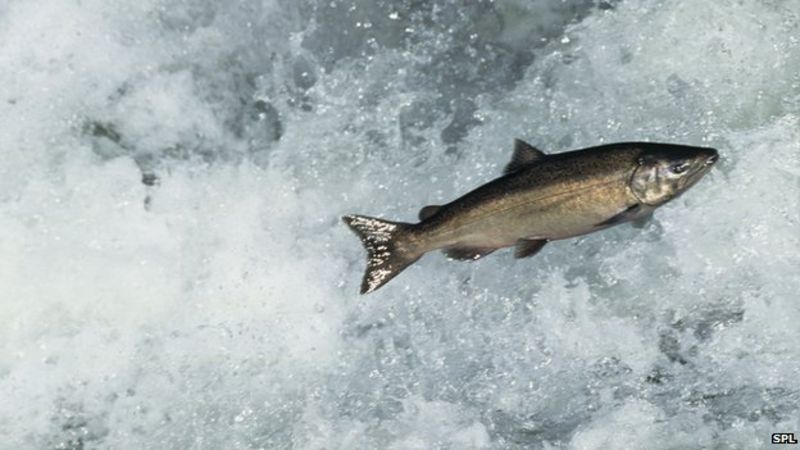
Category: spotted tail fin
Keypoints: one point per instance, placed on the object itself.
(387, 252)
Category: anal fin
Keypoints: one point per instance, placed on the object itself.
(468, 253)
(528, 247)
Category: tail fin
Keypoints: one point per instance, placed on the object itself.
(387, 256)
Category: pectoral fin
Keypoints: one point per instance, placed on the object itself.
(528, 247)
(635, 212)
(641, 221)
(468, 253)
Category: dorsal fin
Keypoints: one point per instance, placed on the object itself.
(524, 154)
(428, 211)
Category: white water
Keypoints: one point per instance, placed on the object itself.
(218, 308)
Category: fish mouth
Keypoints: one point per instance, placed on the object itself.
(711, 156)
(704, 163)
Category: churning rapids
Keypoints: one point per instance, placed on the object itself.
(174, 274)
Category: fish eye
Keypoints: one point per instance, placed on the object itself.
(679, 167)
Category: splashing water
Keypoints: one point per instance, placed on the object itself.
(174, 273)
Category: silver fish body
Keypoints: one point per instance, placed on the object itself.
(540, 198)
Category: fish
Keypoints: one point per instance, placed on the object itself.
(539, 198)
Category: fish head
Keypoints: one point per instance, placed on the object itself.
(665, 171)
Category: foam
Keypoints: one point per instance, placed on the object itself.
(175, 273)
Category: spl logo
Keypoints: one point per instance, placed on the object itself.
(783, 438)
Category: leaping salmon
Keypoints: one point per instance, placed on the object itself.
(539, 198)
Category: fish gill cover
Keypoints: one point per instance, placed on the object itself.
(174, 274)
